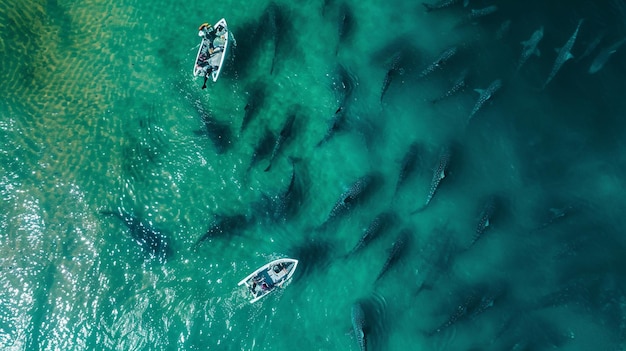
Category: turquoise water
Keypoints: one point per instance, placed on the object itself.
(101, 113)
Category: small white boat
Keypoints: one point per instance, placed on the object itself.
(213, 49)
(269, 277)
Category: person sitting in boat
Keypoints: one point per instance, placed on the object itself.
(221, 31)
(207, 32)
(253, 288)
(265, 287)
(206, 67)
(220, 36)
(280, 268)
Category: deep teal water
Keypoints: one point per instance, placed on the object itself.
(100, 112)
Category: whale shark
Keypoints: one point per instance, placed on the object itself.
(345, 25)
(409, 163)
(485, 95)
(218, 132)
(397, 250)
(344, 83)
(484, 221)
(439, 5)
(604, 55)
(349, 198)
(224, 224)
(359, 325)
(256, 98)
(530, 47)
(438, 174)
(393, 70)
(343, 86)
(504, 29)
(482, 12)
(478, 299)
(563, 56)
(262, 149)
(375, 228)
(591, 46)
(283, 205)
(458, 85)
(151, 240)
(441, 60)
(285, 133)
(336, 123)
(557, 214)
(275, 27)
(314, 255)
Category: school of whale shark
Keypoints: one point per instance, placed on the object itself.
(447, 173)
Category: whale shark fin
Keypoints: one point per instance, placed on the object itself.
(479, 91)
(569, 56)
(537, 52)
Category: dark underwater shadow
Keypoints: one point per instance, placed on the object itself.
(314, 255)
(250, 38)
(283, 205)
(144, 143)
(257, 94)
(154, 242)
(376, 321)
(272, 34)
(225, 227)
(357, 194)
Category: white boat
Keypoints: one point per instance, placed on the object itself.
(269, 277)
(213, 49)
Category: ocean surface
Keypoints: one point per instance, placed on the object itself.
(133, 201)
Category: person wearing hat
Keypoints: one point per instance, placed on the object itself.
(207, 32)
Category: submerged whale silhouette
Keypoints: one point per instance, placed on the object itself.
(359, 325)
(151, 240)
(530, 47)
(285, 133)
(375, 228)
(397, 250)
(564, 55)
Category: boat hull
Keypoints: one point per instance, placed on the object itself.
(268, 277)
